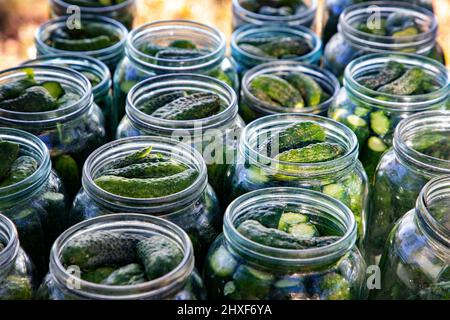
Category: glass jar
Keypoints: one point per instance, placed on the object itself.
(334, 9)
(252, 108)
(109, 56)
(244, 60)
(243, 16)
(138, 66)
(215, 137)
(355, 103)
(350, 43)
(415, 261)
(254, 170)
(237, 268)
(97, 73)
(123, 12)
(182, 283)
(17, 279)
(400, 176)
(37, 205)
(194, 209)
(70, 133)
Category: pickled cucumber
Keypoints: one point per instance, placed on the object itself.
(9, 152)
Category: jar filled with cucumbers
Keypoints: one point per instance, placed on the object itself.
(120, 10)
(94, 36)
(286, 87)
(173, 46)
(263, 12)
(254, 45)
(421, 152)
(31, 195)
(303, 151)
(286, 244)
(382, 89)
(97, 73)
(415, 262)
(389, 27)
(151, 175)
(122, 257)
(56, 104)
(196, 109)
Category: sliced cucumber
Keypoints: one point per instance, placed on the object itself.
(54, 88)
(290, 219)
(379, 123)
(222, 262)
(304, 231)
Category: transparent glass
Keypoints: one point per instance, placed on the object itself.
(182, 283)
(415, 262)
(252, 108)
(357, 101)
(194, 209)
(350, 43)
(245, 60)
(255, 170)
(240, 269)
(17, 278)
(70, 133)
(242, 16)
(138, 66)
(401, 175)
(37, 205)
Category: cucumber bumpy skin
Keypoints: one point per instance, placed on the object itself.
(407, 84)
(8, 154)
(310, 90)
(142, 156)
(148, 170)
(149, 106)
(390, 72)
(127, 275)
(14, 89)
(33, 99)
(313, 153)
(22, 168)
(285, 47)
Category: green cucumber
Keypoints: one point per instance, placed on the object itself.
(92, 44)
(254, 50)
(359, 126)
(183, 44)
(290, 219)
(149, 106)
(97, 275)
(16, 287)
(390, 72)
(180, 54)
(380, 123)
(142, 156)
(286, 47)
(222, 263)
(67, 169)
(268, 215)
(9, 152)
(14, 89)
(304, 231)
(54, 88)
(372, 153)
(278, 90)
(334, 287)
(310, 90)
(22, 168)
(33, 99)
(127, 275)
(337, 191)
(313, 153)
(148, 170)
(252, 283)
(407, 84)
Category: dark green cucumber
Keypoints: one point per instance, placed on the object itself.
(254, 50)
(14, 89)
(310, 90)
(371, 154)
(92, 44)
(142, 156)
(334, 287)
(97, 275)
(313, 153)
(286, 47)
(149, 106)
(390, 72)
(183, 44)
(278, 90)
(9, 152)
(180, 54)
(407, 84)
(252, 283)
(22, 168)
(268, 215)
(33, 99)
(148, 170)
(159, 256)
(128, 275)
(68, 170)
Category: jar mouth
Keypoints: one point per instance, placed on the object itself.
(251, 31)
(176, 29)
(180, 82)
(256, 17)
(97, 10)
(32, 146)
(131, 224)
(10, 239)
(161, 206)
(66, 77)
(261, 129)
(323, 206)
(367, 64)
(363, 12)
(325, 79)
(79, 63)
(417, 124)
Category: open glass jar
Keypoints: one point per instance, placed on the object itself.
(415, 261)
(420, 153)
(251, 34)
(252, 108)
(67, 283)
(17, 278)
(343, 177)
(350, 43)
(120, 10)
(244, 13)
(72, 131)
(239, 268)
(195, 208)
(374, 115)
(141, 62)
(214, 137)
(37, 204)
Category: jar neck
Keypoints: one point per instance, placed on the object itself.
(266, 128)
(69, 79)
(373, 63)
(331, 211)
(413, 127)
(103, 10)
(10, 240)
(202, 35)
(368, 13)
(31, 146)
(132, 224)
(163, 206)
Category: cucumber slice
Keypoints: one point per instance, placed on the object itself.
(339, 114)
(379, 123)
(376, 144)
(222, 263)
(256, 175)
(54, 88)
(290, 219)
(336, 191)
(304, 231)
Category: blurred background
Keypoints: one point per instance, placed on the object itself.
(20, 18)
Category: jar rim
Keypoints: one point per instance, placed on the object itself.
(97, 10)
(11, 248)
(186, 65)
(169, 282)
